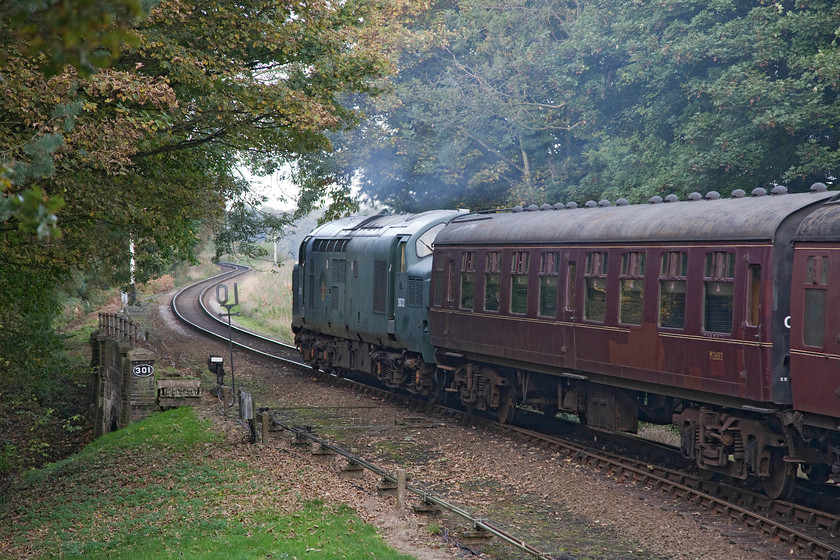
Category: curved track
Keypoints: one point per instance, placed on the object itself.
(191, 305)
(809, 530)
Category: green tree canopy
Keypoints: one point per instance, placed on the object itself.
(710, 95)
(133, 126)
(550, 100)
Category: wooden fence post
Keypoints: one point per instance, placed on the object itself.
(400, 490)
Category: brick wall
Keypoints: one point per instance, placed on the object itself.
(121, 396)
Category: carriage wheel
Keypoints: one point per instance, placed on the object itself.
(507, 408)
(782, 480)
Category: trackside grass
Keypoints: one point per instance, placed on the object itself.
(170, 487)
(266, 302)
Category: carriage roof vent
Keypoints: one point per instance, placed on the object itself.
(759, 191)
(655, 199)
(517, 209)
(738, 193)
(546, 207)
(779, 189)
(604, 203)
(818, 187)
(532, 208)
(559, 206)
(695, 196)
(672, 198)
(571, 205)
(591, 204)
(712, 195)
(621, 202)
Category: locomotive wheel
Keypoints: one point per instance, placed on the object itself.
(507, 408)
(781, 482)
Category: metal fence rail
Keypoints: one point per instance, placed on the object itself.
(117, 327)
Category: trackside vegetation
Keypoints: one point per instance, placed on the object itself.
(171, 486)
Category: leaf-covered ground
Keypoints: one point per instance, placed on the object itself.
(175, 486)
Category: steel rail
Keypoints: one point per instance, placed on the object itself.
(676, 481)
(477, 523)
(178, 309)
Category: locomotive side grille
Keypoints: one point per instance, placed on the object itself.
(380, 285)
(415, 291)
(339, 271)
(311, 283)
(296, 291)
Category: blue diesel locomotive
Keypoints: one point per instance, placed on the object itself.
(361, 297)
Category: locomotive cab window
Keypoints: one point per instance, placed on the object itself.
(403, 265)
(672, 275)
(519, 282)
(632, 282)
(595, 304)
(813, 313)
(492, 280)
(718, 291)
(467, 280)
(425, 243)
(548, 284)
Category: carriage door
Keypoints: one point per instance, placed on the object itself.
(569, 313)
(814, 352)
(753, 358)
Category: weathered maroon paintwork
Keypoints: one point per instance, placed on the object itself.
(747, 366)
(815, 368)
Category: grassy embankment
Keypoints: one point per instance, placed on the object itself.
(265, 302)
(170, 487)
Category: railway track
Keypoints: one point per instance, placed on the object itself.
(811, 531)
(192, 306)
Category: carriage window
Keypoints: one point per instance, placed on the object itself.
(571, 286)
(438, 281)
(595, 305)
(816, 281)
(549, 266)
(672, 274)
(468, 280)
(519, 282)
(492, 280)
(450, 294)
(754, 295)
(717, 301)
(632, 281)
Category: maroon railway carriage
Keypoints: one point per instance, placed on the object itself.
(713, 314)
